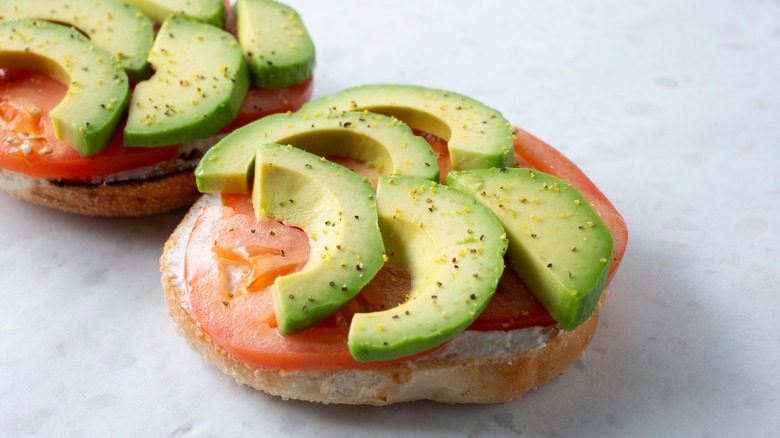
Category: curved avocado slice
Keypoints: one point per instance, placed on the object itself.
(477, 136)
(119, 28)
(199, 83)
(207, 11)
(89, 114)
(383, 142)
(453, 248)
(275, 43)
(557, 243)
(336, 208)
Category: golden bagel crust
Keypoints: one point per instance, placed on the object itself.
(131, 198)
(444, 379)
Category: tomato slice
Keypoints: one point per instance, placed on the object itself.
(230, 17)
(512, 307)
(261, 102)
(532, 152)
(28, 144)
(244, 324)
(232, 260)
(439, 147)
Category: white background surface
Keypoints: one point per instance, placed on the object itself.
(671, 107)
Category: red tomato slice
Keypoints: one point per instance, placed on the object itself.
(28, 144)
(244, 324)
(512, 307)
(261, 102)
(439, 146)
(532, 152)
(227, 243)
(230, 17)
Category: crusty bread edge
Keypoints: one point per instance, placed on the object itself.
(444, 379)
(132, 198)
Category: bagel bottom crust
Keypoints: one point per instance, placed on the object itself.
(132, 198)
(444, 379)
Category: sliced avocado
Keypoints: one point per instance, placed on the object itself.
(477, 135)
(337, 210)
(275, 42)
(453, 248)
(199, 83)
(119, 28)
(557, 243)
(383, 142)
(88, 116)
(208, 11)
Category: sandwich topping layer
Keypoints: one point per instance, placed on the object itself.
(52, 147)
(434, 283)
(470, 344)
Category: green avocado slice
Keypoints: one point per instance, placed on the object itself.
(382, 142)
(453, 248)
(558, 244)
(88, 116)
(199, 83)
(477, 136)
(275, 43)
(337, 210)
(208, 11)
(118, 27)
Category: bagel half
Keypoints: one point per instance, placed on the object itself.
(475, 367)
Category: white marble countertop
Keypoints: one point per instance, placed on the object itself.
(672, 108)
